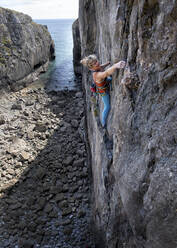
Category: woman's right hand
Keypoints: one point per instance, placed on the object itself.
(120, 65)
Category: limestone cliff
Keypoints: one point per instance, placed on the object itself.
(76, 48)
(25, 48)
(135, 203)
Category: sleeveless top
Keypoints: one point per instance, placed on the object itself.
(102, 86)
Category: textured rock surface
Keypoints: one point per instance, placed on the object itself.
(25, 48)
(77, 48)
(135, 203)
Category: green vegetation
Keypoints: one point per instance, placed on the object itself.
(6, 42)
(95, 112)
(5, 50)
(2, 60)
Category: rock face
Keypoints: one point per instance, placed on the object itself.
(25, 48)
(77, 48)
(134, 190)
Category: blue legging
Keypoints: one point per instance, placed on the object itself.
(106, 109)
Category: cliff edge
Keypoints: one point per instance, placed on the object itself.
(135, 170)
(25, 49)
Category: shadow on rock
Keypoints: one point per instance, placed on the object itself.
(44, 173)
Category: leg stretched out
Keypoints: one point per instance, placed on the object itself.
(106, 101)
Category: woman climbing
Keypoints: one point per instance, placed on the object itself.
(102, 79)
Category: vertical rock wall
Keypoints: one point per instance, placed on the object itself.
(77, 48)
(25, 49)
(135, 192)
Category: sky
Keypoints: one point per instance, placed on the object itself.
(44, 9)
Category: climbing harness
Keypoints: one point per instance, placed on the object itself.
(93, 87)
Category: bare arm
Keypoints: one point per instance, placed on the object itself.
(110, 71)
(104, 65)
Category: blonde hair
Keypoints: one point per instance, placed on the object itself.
(89, 61)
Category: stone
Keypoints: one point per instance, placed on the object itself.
(48, 208)
(63, 204)
(25, 155)
(66, 211)
(17, 145)
(53, 214)
(65, 188)
(26, 243)
(16, 107)
(67, 230)
(68, 160)
(81, 214)
(41, 203)
(59, 197)
(2, 120)
(79, 162)
(74, 123)
(73, 189)
(29, 103)
(40, 127)
(40, 173)
(66, 222)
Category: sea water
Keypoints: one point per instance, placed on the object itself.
(60, 75)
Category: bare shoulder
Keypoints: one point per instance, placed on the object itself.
(100, 76)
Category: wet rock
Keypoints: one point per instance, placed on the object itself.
(79, 162)
(61, 103)
(74, 123)
(66, 211)
(67, 230)
(41, 203)
(59, 197)
(26, 243)
(66, 222)
(53, 214)
(40, 173)
(68, 160)
(81, 214)
(63, 204)
(65, 188)
(48, 208)
(73, 189)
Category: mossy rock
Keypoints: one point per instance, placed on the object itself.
(95, 112)
(2, 60)
(6, 42)
(93, 99)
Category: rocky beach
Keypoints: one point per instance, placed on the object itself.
(44, 172)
